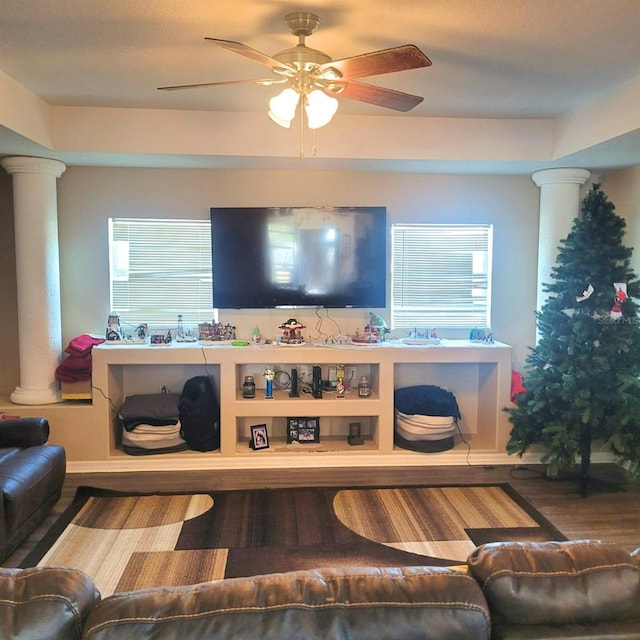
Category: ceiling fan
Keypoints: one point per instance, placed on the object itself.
(313, 78)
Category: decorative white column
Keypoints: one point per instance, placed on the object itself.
(38, 276)
(559, 206)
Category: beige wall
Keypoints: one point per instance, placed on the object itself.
(88, 196)
(623, 189)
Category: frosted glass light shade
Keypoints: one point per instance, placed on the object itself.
(282, 108)
(320, 108)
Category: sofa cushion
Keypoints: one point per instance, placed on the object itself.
(611, 630)
(557, 583)
(46, 602)
(338, 604)
(28, 480)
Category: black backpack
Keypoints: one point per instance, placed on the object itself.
(199, 414)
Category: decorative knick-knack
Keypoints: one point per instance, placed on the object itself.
(269, 375)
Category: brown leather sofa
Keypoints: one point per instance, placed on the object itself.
(31, 478)
(529, 591)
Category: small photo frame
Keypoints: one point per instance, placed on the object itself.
(259, 437)
(303, 430)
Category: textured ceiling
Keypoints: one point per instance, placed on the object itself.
(491, 58)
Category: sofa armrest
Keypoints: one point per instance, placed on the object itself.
(24, 432)
(557, 583)
(45, 602)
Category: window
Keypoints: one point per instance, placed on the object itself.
(441, 276)
(160, 269)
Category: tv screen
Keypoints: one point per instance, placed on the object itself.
(299, 257)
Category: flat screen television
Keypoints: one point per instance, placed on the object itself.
(270, 257)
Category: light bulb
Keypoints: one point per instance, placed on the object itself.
(320, 108)
(282, 108)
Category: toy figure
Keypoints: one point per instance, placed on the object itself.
(269, 375)
(291, 333)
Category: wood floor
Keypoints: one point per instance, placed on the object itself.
(610, 511)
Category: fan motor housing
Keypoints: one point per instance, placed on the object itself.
(302, 57)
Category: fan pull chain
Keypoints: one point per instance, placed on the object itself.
(314, 149)
(301, 132)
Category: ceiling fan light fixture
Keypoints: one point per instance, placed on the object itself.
(331, 74)
(320, 108)
(279, 121)
(282, 108)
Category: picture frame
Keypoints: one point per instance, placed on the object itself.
(259, 437)
(303, 430)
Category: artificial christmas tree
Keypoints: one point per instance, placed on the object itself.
(582, 379)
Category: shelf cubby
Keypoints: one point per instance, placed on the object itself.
(478, 375)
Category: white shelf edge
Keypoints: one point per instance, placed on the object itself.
(323, 461)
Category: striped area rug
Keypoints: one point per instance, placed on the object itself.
(127, 542)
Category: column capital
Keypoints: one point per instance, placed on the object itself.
(27, 164)
(560, 176)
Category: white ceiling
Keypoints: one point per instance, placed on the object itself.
(492, 59)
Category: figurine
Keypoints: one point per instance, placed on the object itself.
(291, 333)
(368, 336)
(340, 376)
(373, 333)
(182, 334)
(114, 332)
(620, 298)
(378, 325)
(416, 336)
(216, 332)
(269, 375)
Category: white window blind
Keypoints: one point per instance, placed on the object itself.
(160, 269)
(441, 276)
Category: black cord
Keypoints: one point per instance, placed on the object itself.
(106, 397)
(467, 445)
(529, 473)
(206, 364)
(282, 380)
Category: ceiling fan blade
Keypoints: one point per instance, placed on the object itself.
(261, 81)
(252, 54)
(401, 58)
(388, 98)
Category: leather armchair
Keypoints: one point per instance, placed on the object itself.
(31, 478)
